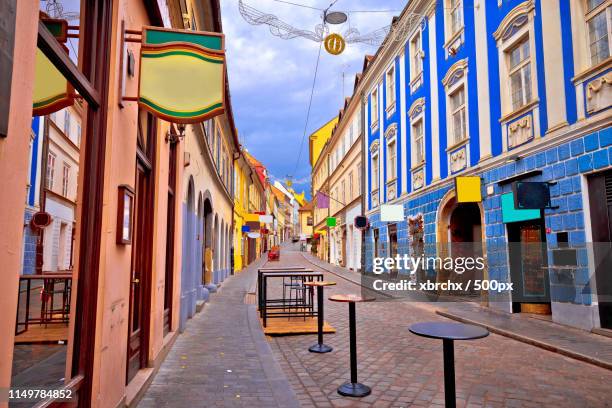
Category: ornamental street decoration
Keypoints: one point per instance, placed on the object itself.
(350, 35)
(334, 44)
(182, 74)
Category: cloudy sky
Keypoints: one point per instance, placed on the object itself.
(271, 78)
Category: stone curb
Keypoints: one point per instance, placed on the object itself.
(529, 340)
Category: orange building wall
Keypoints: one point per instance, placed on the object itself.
(14, 167)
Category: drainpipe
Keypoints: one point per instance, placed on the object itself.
(363, 179)
(235, 157)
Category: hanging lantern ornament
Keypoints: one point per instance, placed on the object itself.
(334, 44)
(335, 17)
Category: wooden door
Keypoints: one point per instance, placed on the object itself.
(169, 271)
(138, 274)
(528, 262)
(142, 248)
(600, 199)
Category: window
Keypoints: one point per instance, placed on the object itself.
(457, 106)
(390, 88)
(350, 183)
(599, 27)
(343, 192)
(519, 73)
(67, 123)
(65, 179)
(359, 179)
(455, 14)
(391, 161)
(78, 134)
(50, 170)
(344, 145)
(375, 172)
(376, 235)
(374, 106)
(417, 131)
(415, 55)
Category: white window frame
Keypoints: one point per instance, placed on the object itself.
(451, 33)
(50, 172)
(604, 7)
(391, 164)
(374, 96)
(454, 81)
(67, 123)
(508, 36)
(390, 79)
(415, 142)
(65, 179)
(460, 110)
(375, 171)
(416, 55)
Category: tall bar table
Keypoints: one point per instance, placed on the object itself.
(449, 332)
(352, 388)
(320, 347)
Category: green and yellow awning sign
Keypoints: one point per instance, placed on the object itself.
(52, 91)
(182, 74)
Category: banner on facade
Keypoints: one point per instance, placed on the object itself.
(468, 189)
(391, 212)
(251, 217)
(266, 219)
(322, 200)
(182, 74)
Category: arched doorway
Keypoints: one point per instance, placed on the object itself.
(460, 235)
(207, 242)
(187, 281)
(215, 249)
(199, 249)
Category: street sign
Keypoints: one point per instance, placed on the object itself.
(361, 222)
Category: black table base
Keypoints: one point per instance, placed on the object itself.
(354, 390)
(320, 347)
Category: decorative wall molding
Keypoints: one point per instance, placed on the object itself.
(599, 93)
(391, 131)
(374, 146)
(418, 179)
(416, 107)
(458, 160)
(455, 73)
(520, 131)
(515, 19)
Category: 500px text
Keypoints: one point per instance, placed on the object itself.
(477, 285)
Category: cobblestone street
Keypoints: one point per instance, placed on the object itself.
(402, 369)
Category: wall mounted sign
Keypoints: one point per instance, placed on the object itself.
(182, 74)
(468, 189)
(331, 221)
(125, 211)
(511, 214)
(267, 219)
(245, 228)
(531, 195)
(391, 212)
(41, 219)
(361, 222)
(52, 91)
(254, 235)
(251, 217)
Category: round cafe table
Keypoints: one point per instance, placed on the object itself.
(352, 388)
(449, 332)
(320, 347)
